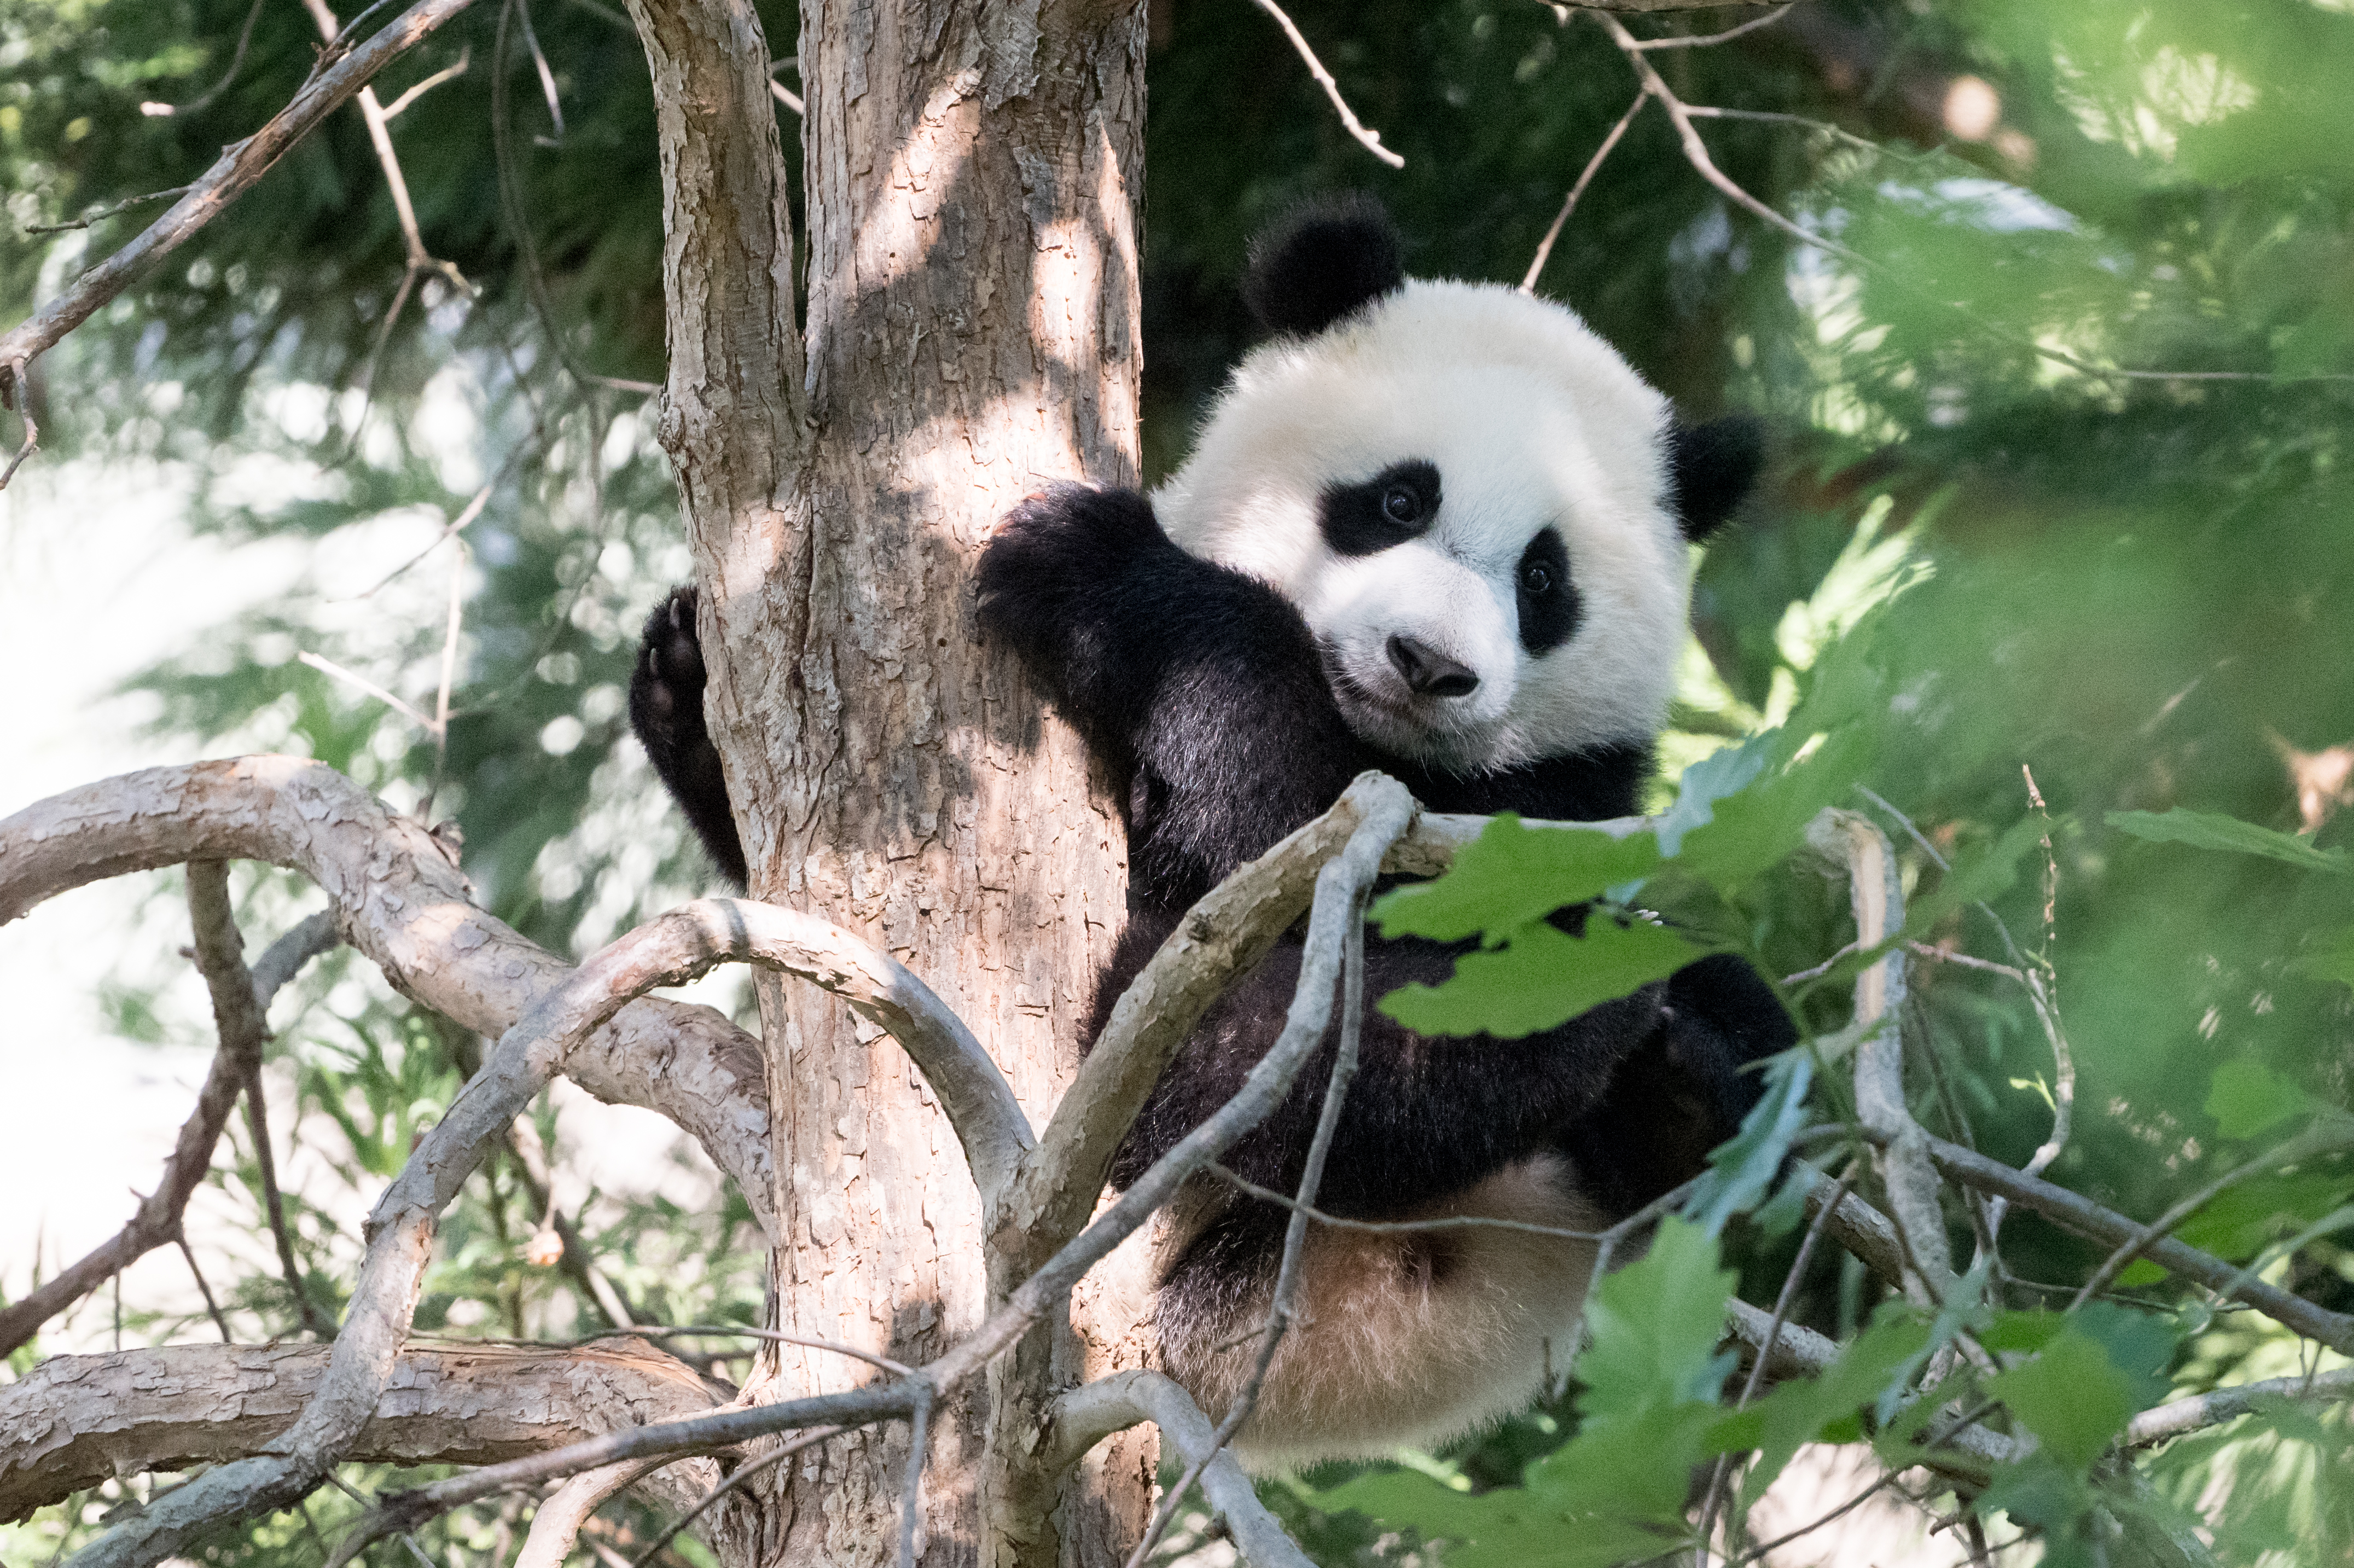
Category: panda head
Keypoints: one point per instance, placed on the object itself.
(1478, 507)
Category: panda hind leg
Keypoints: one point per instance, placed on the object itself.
(666, 710)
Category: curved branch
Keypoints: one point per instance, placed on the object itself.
(237, 1016)
(1085, 1416)
(668, 950)
(239, 166)
(400, 899)
(74, 1421)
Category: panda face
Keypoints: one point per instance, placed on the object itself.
(1463, 490)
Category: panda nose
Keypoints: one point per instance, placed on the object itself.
(1427, 671)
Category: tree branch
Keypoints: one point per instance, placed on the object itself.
(1085, 1416)
(401, 900)
(2162, 1422)
(239, 166)
(237, 1017)
(75, 1420)
(2087, 1218)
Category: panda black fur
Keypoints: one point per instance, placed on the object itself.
(1438, 529)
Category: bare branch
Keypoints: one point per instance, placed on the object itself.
(1577, 189)
(1702, 41)
(398, 894)
(1876, 893)
(556, 1523)
(1085, 1416)
(1369, 138)
(240, 166)
(447, 73)
(2330, 1137)
(75, 1420)
(86, 219)
(1228, 931)
(668, 950)
(157, 1220)
(2165, 1421)
(2087, 1218)
(745, 1473)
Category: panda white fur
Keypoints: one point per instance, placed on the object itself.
(1436, 528)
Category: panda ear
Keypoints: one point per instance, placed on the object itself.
(1711, 469)
(1321, 261)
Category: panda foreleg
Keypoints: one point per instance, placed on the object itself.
(1197, 686)
(666, 712)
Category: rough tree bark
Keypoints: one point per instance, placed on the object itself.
(974, 174)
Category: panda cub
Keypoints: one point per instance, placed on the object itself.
(1433, 528)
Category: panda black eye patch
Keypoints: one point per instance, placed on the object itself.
(1397, 504)
(1547, 599)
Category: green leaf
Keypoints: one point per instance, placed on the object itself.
(1756, 829)
(2071, 1396)
(1709, 780)
(2246, 1098)
(1652, 1326)
(2331, 958)
(1979, 877)
(2209, 830)
(1511, 876)
(1798, 1413)
(2021, 1333)
(1543, 977)
(1743, 1166)
(2238, 1222)
(2140, 1345)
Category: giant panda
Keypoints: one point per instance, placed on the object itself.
(1440, 529)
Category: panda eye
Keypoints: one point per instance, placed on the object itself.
(1401, 504)
(1536, 578)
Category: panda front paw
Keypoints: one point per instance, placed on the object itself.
(1056, 546)
(666, 688)
(666, 712)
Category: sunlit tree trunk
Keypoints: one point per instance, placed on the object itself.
(973, 174)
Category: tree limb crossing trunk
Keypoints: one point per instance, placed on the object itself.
(974, 175)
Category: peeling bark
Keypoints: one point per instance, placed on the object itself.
(972, 175)
(75, 1420)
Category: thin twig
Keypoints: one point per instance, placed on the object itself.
(236, 63)
(447, 73)
(2330, 1137)
(1281, 1300)
(204, 1289)
(2162, 1422)
(274, 1203)
(1774, 117)
(16, 392)
(158, 1217)
(785, 96)
(745, 1473)
(911, 1489)
(1645, 46)
(239, 166)
(449, 674)
(547, 76)
(777, 1337)
(327, 666)
(2075, 1212)
(1696, 153)
(122, 206)
(1780, 1315)
(1370, 139)
(512, 203)
(1577, 189)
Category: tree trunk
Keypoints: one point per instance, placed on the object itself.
(973, 175)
